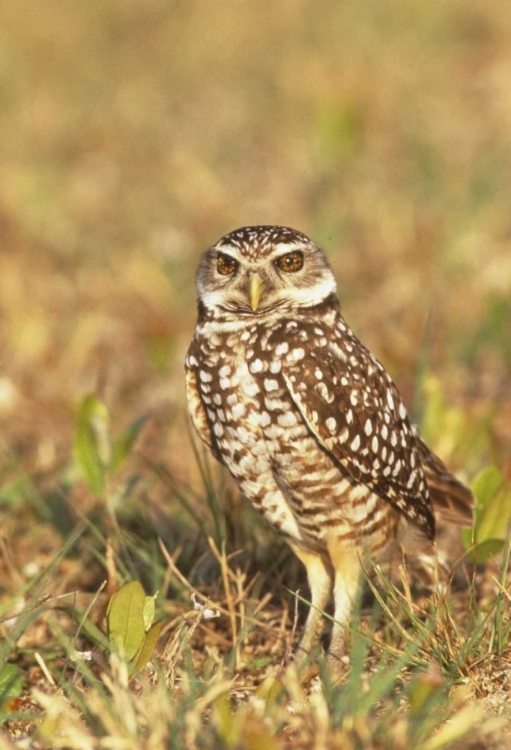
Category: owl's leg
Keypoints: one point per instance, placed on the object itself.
(347, 574)
(320, 577)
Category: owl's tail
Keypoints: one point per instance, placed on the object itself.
(452, 501)
(453, 506)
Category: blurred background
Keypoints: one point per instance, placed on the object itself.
(134, 133)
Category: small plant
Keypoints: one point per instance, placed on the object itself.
(492, 515)
(131, 627)
(97, 455)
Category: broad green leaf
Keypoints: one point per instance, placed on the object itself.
(11, 683)
(148, 613)
(124, 444)
(486, 484)
(467, 536)
(92, 442)
(492, 515)
(484, 550)
(146, 650)
(493, 521)
(125, 618)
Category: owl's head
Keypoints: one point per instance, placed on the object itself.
(255, 270)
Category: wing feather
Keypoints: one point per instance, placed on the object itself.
(355, 412)
(197, 409)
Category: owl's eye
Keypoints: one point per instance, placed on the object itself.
(225, 265)
(290, 262)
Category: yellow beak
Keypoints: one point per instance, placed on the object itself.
(255, 290)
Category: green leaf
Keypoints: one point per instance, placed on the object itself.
(11, 683)
(148, 613)
(124, 444)
(125, 618)
(260, 662)
(492, 515)
(146, 650)
(493, 522)
(467, 536)
(92, 442)
(486, 484)
(484, 550)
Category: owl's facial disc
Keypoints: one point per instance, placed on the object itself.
(255, 275)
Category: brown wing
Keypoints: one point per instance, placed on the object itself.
(452, 500)
(353, 408)
(197, 410)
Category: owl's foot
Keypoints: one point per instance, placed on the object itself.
(307, 670)
(305, 661)
(337, 659)
(307, 665)
(337, 665)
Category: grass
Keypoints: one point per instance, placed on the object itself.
(414, 681)
(425, 672)
(133, 135)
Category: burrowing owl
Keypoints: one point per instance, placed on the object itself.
(306, 419)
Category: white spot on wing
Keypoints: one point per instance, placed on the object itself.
(331, 424)
(256, 366)
(288, 419)
(264, 419)
(271, 385)
(324, 392)
(238, 410)
(344, 435)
